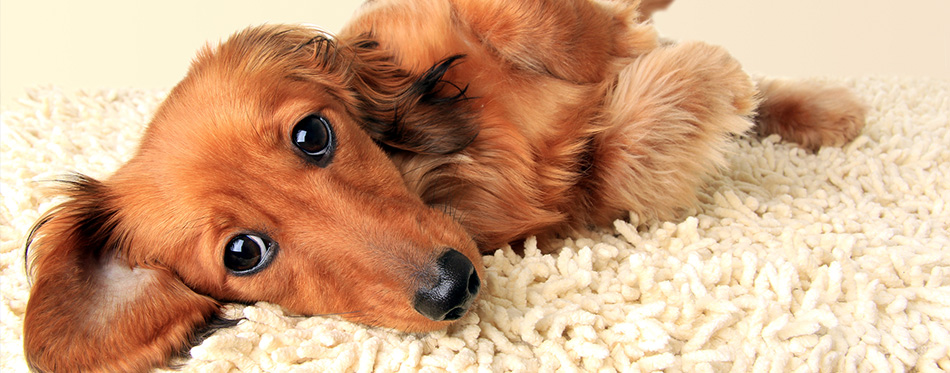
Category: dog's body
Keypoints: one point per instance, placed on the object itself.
(362, 175)
(582, 115)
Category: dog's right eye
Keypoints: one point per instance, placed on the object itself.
(313, 135)
(246, 254)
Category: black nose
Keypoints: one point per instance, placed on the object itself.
(449, 297)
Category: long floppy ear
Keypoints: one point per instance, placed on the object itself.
(89, 310)
(417, 113)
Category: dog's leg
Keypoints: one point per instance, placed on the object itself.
(574, 40)
(809, 113)
(648, 7)
(667, 123)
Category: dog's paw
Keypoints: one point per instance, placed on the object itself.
(714, 82)
(808, 113)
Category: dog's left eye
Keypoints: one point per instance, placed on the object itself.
(313, 135)
(248, 253)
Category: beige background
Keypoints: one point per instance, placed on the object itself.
(119, 43)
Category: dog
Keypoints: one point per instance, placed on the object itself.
(363, 174)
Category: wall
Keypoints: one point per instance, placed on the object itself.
(117, 43)
(821, 38)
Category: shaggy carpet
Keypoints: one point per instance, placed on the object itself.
(837, 260)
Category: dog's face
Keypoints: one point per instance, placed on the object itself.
(288, 200)
(256, 181)
(266, 163)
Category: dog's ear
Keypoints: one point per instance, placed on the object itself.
(89, 309)
(420, 113)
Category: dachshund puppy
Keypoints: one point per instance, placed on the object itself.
(363, 174)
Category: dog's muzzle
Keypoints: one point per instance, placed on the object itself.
(450, 296)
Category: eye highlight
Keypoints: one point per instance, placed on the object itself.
(313, 135)
(247, 254)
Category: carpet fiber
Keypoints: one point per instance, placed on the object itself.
(794, 261)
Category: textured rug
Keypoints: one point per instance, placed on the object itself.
(831, 261)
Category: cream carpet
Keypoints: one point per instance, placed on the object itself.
(832, 261)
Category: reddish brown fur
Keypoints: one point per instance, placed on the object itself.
(809, 113)
(560, 115)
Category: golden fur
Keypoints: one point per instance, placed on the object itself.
(464, 124)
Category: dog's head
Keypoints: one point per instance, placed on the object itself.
(262, 177)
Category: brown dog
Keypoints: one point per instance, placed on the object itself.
(361, 175)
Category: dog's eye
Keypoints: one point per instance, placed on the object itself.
(314, 136)
(247, 253)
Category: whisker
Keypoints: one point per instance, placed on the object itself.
(340, 313)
